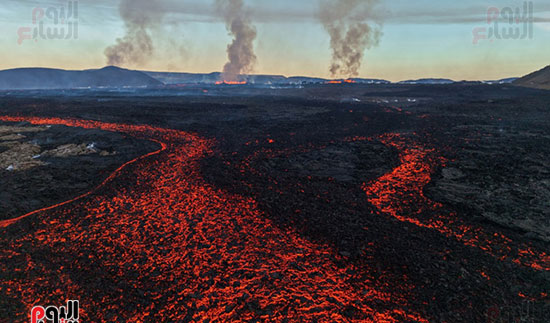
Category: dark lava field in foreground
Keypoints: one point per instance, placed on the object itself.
(332, 203)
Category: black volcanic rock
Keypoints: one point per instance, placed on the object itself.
(539, 79)
(44, 78)
(66, 163)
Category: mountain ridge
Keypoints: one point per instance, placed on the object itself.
(539, 79)
(49, 78)
(115, 77)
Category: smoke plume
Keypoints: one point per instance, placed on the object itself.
(136, 47)
(350, 34)
(241, 51)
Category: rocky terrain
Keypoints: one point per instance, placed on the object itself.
(397, 203)
(502, 175)
(44, 165)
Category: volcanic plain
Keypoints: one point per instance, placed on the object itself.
(311, 203)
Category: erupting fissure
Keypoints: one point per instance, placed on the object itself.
(341, 82)
(231, 83)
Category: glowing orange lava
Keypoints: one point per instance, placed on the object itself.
(156, 242)
(231, 82)
(400, 194)
(349, 81)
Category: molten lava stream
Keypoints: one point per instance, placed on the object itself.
(157, 243)
(400, 194)
(231, 82)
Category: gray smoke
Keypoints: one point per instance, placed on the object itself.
(350, 33)
(241, 51)
(136, 47)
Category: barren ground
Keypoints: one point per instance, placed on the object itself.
(327, 203)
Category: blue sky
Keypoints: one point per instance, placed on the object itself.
(421, 39)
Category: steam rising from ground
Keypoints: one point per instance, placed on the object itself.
(350, 34)
(241, 51)
(136, 47)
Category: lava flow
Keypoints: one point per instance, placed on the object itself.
(349, 81)
(400, 194)
(155, 242)
(231, 83)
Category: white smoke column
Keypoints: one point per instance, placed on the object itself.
(137, 46)
(241, 51)
(350, 34)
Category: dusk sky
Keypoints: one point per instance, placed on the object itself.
(420, 39)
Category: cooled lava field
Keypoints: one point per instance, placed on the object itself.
(323, 203)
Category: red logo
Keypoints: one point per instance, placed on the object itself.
(54, 314)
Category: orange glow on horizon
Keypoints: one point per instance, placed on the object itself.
(349, 81)
(231, 82)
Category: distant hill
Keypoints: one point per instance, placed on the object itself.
(45, 78)
(115, 77)
(370, 81)
(502, 81)
(428, 81)
(211, 78)
(184, 78)
(190, 78)
(539, 79)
